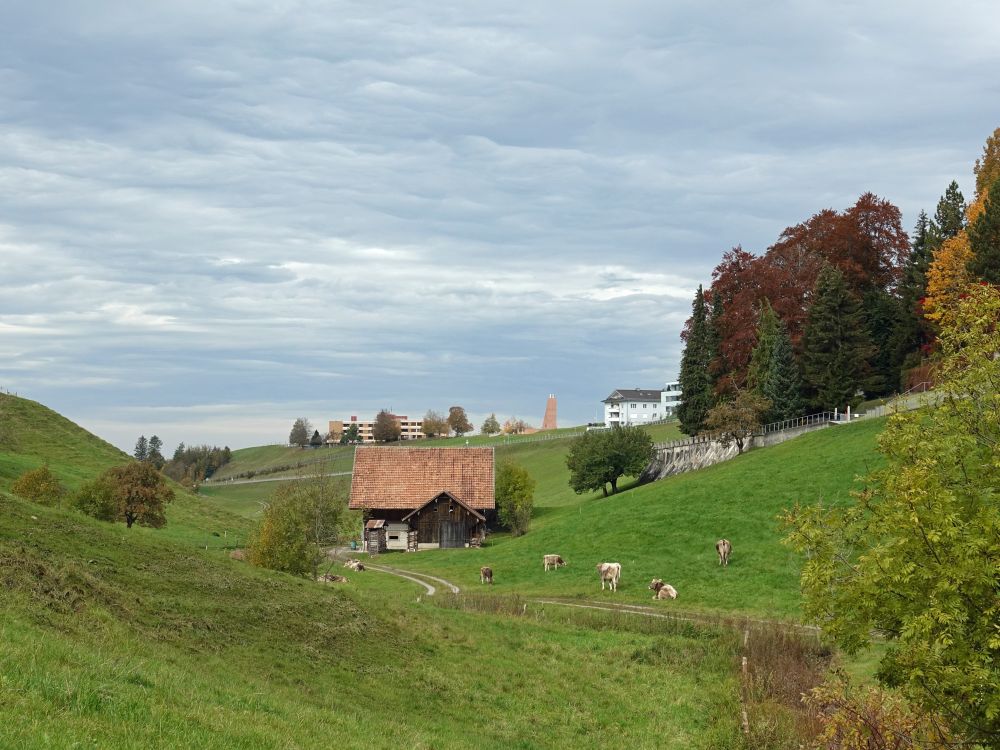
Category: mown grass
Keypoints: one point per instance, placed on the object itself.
(118, 640)
(668, 529)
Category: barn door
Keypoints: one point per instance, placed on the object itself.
(452, 534)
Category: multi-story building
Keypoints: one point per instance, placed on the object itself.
(630, 406)
(409, 429)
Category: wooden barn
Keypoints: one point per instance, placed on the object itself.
(422, 498)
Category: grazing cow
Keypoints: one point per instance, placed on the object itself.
(554, 560)
(486, 575)
(662, 590)
(356, 565)
(724, 548)
(610, 572)
(328, 578)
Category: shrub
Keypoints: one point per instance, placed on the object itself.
(97, 499)
(515, 497)
(39, 485)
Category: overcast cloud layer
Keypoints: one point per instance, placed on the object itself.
(216, 217)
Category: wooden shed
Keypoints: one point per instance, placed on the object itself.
(423, 498)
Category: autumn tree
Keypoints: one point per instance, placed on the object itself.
(695, 380)
(727, 336)
(599, 458)
(914, 560)
(458, 421)
(490, 425)
(386, 428)
(134, 493)
(300, 432)
(40, 486)
(141, 452)
(984, 239)
(514, 426)
(515, 497)
(836, 345)
(434, 424)
(736, 419)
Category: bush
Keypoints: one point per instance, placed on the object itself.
(39, 485)
(515, 497)
(97, 499)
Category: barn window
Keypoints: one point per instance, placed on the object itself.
(393, 537)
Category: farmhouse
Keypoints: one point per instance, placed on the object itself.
(422, 498)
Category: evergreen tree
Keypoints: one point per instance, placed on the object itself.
(179, 452)
(883, 316)
(154, 454)
(984, 239)
(774, 373)
(949, 218)
(912, 332)
(836, 345)
(141, 452)
(696, 381)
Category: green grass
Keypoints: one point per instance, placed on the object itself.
(667, 529)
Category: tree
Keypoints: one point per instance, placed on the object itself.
(695, 379)
(302, 520)
(40, 486)
(915, 558)
(154, 454)
(97, 498)
(984, 239)
(774, 374)
(141, 452)
(350, 435)
(434, 424)
(178, 452)
(949, 218)
(514, 426)
(515, 497)
(600, 458)
(316, 440)
(836, 346)
(736, 419)
(387, 428)
(883, 318)
(912, 332)
(458, 421)
(137, 492)
(490, 425)
(300, 432)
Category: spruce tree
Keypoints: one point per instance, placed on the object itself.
(984, 239)
(760, 358)
(836, 346)
(774, 373)
(949, 218)
(696, 381)
(154, 453)
(883, 319)
(141, 452)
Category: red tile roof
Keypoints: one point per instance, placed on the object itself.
(387, 477)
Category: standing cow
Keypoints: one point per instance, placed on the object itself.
(486, 575)
(724, 548)
(610, 572)
(554, 560)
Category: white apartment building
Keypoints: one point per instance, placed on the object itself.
(632, 406)
(409, 429)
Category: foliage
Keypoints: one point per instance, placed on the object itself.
(835, 347)
(137, 492)
(300, 522)
(458, 421)
(490, 425)
(987, 168)
(386, 428)
(40, 486)
(316, 440)
(736, 419)
(883, 315)
(601, 457)
(872, 718)
(434, 424)
(514, 426)
(947, 277)
(155, 453)
(97, 499)
(917, 557)
(949, 217)
(515, 497)
(774, 373)
(141, 452)
(299, 434)
(350, 435)
(984, 239)
(193, 464)
(695, 380)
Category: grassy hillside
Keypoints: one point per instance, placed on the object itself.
(667, 529)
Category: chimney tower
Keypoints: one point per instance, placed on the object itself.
(549, 421)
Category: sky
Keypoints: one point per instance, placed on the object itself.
(216, 217)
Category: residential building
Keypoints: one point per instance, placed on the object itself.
(631, 406)
(409, 429)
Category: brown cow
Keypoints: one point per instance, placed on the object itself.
(486, 575)
(554, 560)
(662, 590)
(355, 565)
(329, 578)
(724, 548)
(610, 573)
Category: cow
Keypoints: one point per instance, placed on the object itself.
(662, 590)
(724, 548)
(356, 565)
(486, 575)
(554, 560)
(610, 572)
(328, 578)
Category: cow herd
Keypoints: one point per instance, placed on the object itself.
(610, 573)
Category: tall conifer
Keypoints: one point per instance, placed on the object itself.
(836, 346)
(774, 373)
(696, 381)
(984, 239)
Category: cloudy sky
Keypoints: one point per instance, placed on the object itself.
(218, 216)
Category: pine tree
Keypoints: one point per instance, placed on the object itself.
(155, 455)
(696, 381)
(141, 452)
(836, 346)
(883, 317)
(984, 239)
(774, 373)
(949, 218)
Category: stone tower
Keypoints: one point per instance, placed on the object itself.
(549, 421)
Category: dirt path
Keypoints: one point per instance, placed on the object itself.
(419, 578)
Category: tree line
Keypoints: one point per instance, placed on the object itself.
(189, 465)
(843, 306)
